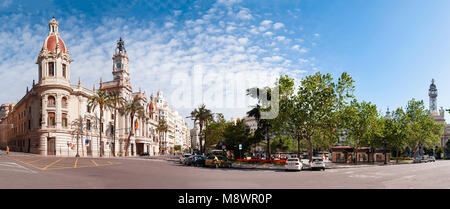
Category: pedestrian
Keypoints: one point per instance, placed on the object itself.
(7, 149)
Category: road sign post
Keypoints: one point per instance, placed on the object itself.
(240, 153)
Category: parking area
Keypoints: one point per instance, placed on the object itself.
(57, 163)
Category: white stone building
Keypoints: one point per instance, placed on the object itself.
(54, 118)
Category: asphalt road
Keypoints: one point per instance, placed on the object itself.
(33, 171)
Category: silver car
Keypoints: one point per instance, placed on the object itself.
(293, 164)
(183, 158)
(317, 164)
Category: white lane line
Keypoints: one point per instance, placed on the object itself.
(15, 165)
(17, 170)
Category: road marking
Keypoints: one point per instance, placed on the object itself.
(45, 168)
(15, 166)
(35, 160)
(76, 162)
(94, 162)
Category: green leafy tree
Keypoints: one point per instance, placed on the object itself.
(235, 134)
(215, 130)
(422, 129)
(395, 131)
(360, 120)
(282, 144)
(316, 106)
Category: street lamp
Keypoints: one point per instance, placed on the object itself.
(79, 135)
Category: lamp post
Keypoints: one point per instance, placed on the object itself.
(80, 135)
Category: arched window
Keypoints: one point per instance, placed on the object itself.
(64, 102)
(51, 119)
(64, 70)
(51, 69)
(51, 101)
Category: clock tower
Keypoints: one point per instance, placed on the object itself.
(432, 93)
(120, 65)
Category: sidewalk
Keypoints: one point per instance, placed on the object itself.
(328, 165)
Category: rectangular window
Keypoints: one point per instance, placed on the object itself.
(64, 70)
(88, 125)
(64, 120)
(51, 69)
(51, 119)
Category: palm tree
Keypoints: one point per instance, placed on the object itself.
(99, 99)
(203, 116)
(162, 128)
(132, 108)
(115, 102)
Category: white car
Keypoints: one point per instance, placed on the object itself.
(183, 158)
(293, 164)
(317, 164)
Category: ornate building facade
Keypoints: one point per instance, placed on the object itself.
(54, 116)
(438, 116)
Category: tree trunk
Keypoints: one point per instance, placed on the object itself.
(114, 134)
(415, 151)
(101, 130)
(397, 155)
(310, 149)
(298, 144)
(356, 153)
(269, 155)
(373, 155)
(127, 143)
(200, 138)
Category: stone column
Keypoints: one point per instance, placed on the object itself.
(43, 145)
(44, 112)
(58, 114)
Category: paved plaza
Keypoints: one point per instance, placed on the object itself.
(34, 171)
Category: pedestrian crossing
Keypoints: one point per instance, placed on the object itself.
(11, 166)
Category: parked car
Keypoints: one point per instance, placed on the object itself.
(293, 164)
(199, 161)
(421, 159)
(189, 160)
(418, 159)
(318, 164)
(183, 158)
(431, 159)
(217, 161)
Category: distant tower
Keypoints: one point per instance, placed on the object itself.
(432, 93)
(120, 68)
(388, 114)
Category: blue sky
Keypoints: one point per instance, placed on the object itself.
(392, 48)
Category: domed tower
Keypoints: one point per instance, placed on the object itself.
(432, 93)
(53, 60)
(120, 65)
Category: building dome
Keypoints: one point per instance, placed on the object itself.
(53, 42)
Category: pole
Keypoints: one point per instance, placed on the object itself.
(79, 134)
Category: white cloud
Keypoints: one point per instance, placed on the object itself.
(280, 38)
(244, 14)
(278, 25)
(268, 33)
(158, 54)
